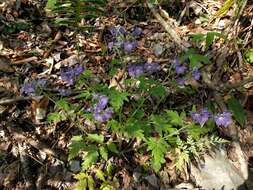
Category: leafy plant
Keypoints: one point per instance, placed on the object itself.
(71, 12)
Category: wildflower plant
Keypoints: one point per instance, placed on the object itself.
(141, 112)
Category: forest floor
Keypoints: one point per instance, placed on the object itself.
(34, 152)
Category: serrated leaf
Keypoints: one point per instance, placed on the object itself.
(158, 91)
(82, 181)
(210, 38)
(74, 149)
(95, 138)
(56, 117)
(174, 117)
(238, 111)
(100, 175)
(90, 159)
(103, 152)
(158, 147)
(117, 98)
(91, 183)
(161, 124)
(63, 104)
(197, 59)
(112, 147)
(182, 158)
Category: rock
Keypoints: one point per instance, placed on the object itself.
(184, 186)
(75, 166)
(152, 180)
(217, 173)
(158, 49)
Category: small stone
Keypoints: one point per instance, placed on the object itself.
(75, 166)
(158, 49)
(184, 186)
(152, 180)
(136, 176)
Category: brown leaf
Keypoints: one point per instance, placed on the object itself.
(5, 64)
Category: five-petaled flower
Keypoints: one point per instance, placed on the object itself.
(69, 75)
(100, 112)
(196, 73)
(31, 87)
(201, 117)
(223, 119)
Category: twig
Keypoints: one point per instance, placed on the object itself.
(172, 33)
(227, 87)
(25, 60)
(19, 98)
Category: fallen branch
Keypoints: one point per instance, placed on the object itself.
(172, 33)
(19, 98)
(25, 60)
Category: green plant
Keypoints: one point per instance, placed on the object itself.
(71, 12)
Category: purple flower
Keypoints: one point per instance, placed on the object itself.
(180, 82)
(41, 83)
(110, 45)
(103, 116)
(137, 31)
(129, 46)
(29, 88)
(122, 30)
(78, 69)
(135, 70)
(196, 73)
(180, 69)
(107, 114)
(68, 75)
(151, 67)
(223, 119)
(113, 31)
(102, 102)
(64, 92)
(201, 117)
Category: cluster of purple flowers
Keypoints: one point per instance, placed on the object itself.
(69, 75)
(100, 112)
(119, 39)
(31, 87)
(139, 69)
(221, 119)
(181, 70)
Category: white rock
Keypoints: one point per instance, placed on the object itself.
(217, 173)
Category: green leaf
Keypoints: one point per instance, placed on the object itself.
(82, 181)
(100, 175)
(210, 38)
(112, 147)
(75, 147)
(90, 159)
(56, 117)
(159, 148)
(62, 104)
(182, 158)
(175, 119)
(91, 183)
(158, 91)
(103, 152)
(224, 9)
(117, 98)
(162, 124)
(197, 59)
(238, 111)
(197, 38)
(95, 138)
